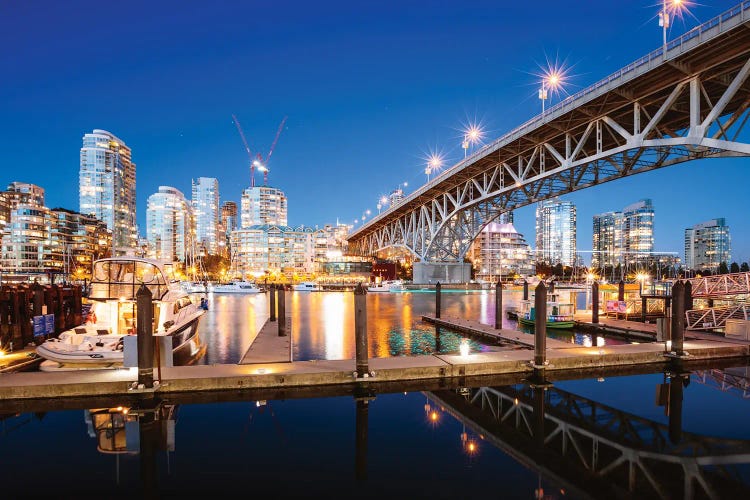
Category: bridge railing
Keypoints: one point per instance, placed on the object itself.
(719, 21)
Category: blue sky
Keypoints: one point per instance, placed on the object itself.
(369, 89)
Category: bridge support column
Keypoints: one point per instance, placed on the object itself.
(446, 272)
(498, 305)
(595, 302)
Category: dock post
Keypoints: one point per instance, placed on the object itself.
(539, 433)
(678, 318)
(525, 290)
(360, 331)
(272, 302)
(688, 296)
(540, 325)
(438, 286)
(595, 302)
(282, 311)
(498, 305)
(144, 329)
(438, 343)
(644, 306)
(621, 291)
(38, 299)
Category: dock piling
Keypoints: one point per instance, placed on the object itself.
(595, 302)
(145, 342)
(272, 302)
(540, 325)
(644, 307)
(688, 296)
(525, 290)
(362, 417)
(438, 286)
(678, 318)
(360, 331)
(621, 291)
(498, 305)
(282, 311)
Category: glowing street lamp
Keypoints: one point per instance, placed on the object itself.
(641, 277)
(553, 80)
(472, 136)
(434, 162)
(665, 18)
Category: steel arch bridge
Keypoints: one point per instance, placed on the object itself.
(687, 103)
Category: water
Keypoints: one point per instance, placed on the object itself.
(323, 323)
(438, 444)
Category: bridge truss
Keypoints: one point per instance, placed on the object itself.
(662, 110)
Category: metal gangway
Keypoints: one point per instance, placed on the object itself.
(713, 318)
(720, 285)
(595, 450)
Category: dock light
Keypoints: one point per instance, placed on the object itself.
(2, 353)
(600, 379)
(260, 371)
(668, 346)
(464, 347)
(599, 341)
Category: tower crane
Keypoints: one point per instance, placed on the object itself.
(258, 160)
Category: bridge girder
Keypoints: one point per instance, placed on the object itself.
(653, 122)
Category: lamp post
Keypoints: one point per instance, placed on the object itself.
(551, 80)
(472, 136)
(434, 162)
(665, 19)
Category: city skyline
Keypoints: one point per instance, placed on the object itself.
(368, 97)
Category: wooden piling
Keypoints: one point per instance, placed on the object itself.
(498, 305)
(438, 286)
(282, 311)
(360, 330)
(595, 302)
(678, 318)
(540, 325)
(144, 330)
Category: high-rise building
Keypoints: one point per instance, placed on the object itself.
(500, 252)
(107, 186)
(272, 249)
(206, 213)
(707, 245)
(607, 235)
(638, 232)
(556, 232)
(227, 224)
(169, 225)
(263, 205)
(76, 240)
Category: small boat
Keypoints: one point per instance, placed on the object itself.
(559, 315)
(306, 286)
(387, 286)
(237, 287)
(195, 286)
(99, 343)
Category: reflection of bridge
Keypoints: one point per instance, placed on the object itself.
(598, 450)
(661, 110)
(734, 380)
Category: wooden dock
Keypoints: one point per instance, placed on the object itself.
(268, 346)
(281, 376)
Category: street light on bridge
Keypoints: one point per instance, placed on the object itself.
(669, 9)
(552, 80)
(382, 202)
(472, 135)
(434, 162)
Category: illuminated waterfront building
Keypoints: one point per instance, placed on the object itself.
(206, 213)
(500, 252)
(607, 240)
(76, 240)
(638, 232)
(169, 225)
(556, 232)
(262, 205)
(107, 186)
(271, 249)
(227, 224)
(707, 245)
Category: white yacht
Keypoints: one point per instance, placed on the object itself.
(387, 286)
(306, 286)
(195, 286)
(114, 283)
(236, 287)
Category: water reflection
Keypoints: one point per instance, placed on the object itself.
(543, 440)
(323, 323)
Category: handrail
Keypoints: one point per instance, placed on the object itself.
(657, 54)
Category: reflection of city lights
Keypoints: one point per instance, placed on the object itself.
(434, 416)
(464, 347)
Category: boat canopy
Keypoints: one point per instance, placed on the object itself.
(121, 278)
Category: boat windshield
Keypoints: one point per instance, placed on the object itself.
(115, 279)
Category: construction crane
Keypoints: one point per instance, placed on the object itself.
(258, 160)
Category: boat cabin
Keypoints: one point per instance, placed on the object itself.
(120, 278)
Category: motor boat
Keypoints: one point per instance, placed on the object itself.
(99, 342)
(559, 314)
(306, 286)
(236, 287)
(387, 286)
(195, 286)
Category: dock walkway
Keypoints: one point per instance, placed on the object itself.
(268, 347)
(562, 358)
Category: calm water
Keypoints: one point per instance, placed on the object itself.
(440, 444)
(323, 323)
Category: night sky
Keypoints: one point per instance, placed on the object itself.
(369, 88)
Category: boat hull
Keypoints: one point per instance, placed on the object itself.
(550, 324)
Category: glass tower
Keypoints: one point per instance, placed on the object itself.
(707, 245)
(556, 232)
(607, 240)
(263, 205)
(206, 213)
(106, 184)
(169, 226)
(501, 252)
(638, 232)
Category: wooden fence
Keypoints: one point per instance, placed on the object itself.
(20, 303)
